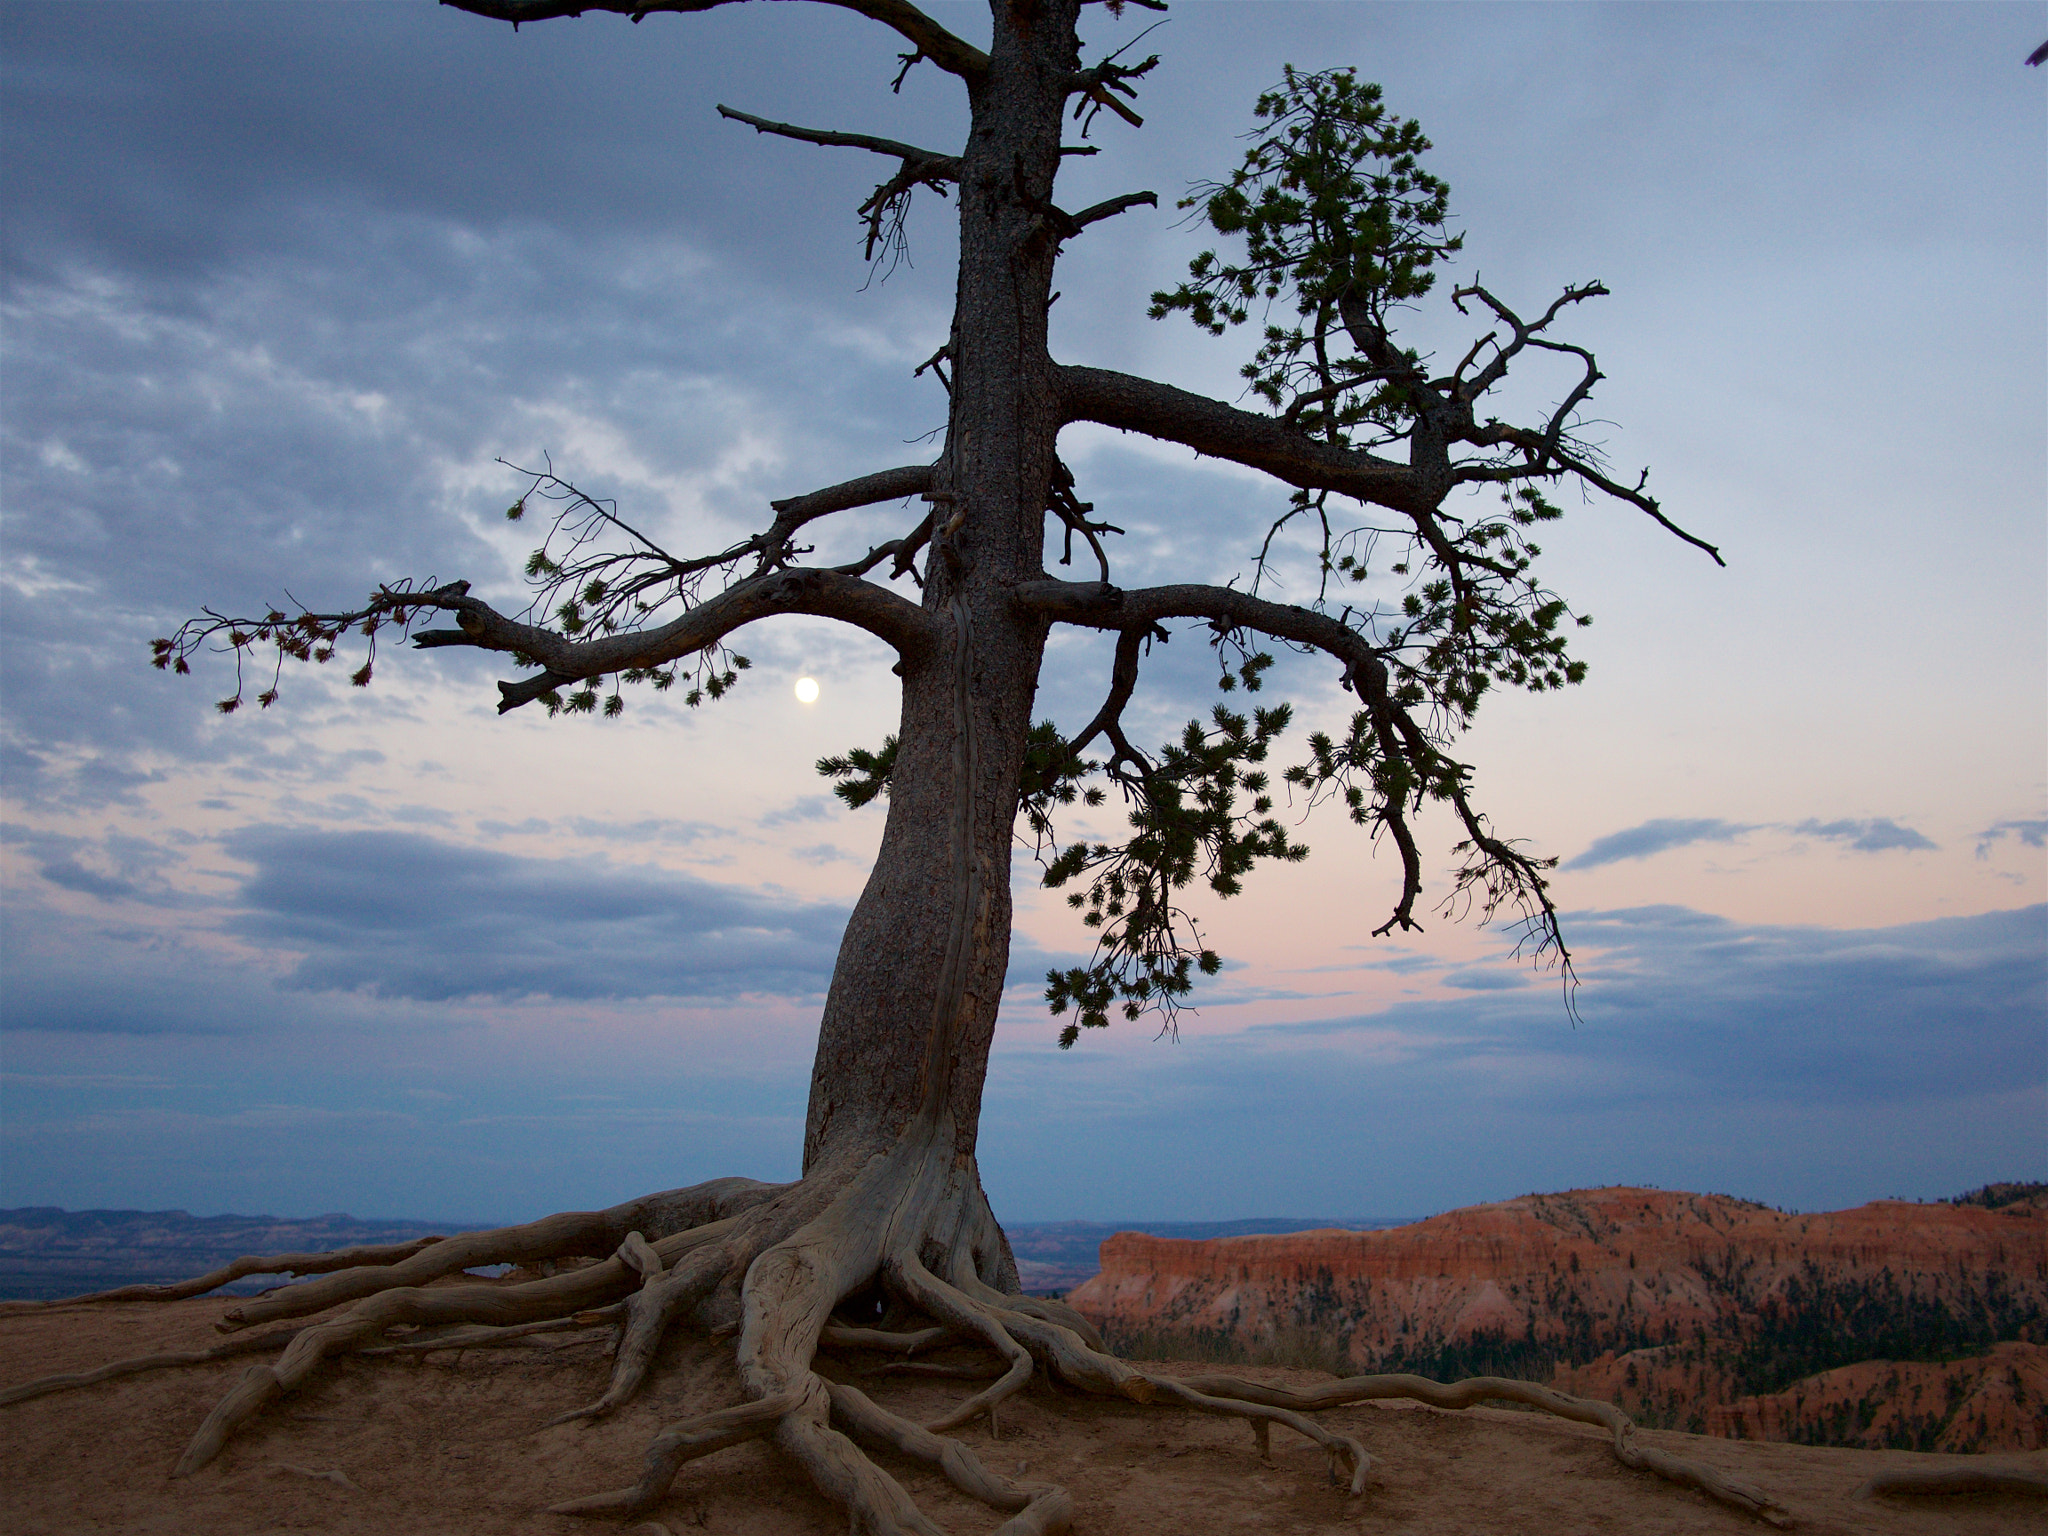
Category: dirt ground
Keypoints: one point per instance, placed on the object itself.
(449, 1443)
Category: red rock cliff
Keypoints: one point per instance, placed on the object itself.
(1674, 1303)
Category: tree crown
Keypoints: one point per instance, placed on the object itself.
(1426, 604)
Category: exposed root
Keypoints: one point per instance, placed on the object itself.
(1348, 1461)
(1042, 1508)
(242, 1268)
(439, 1340)
(570, 1234)
(967, 1316)
(663, 1296)
(683, 1442)
(363, 1324)
(839, 1336)
(1994, 1478)
(1477, 1389)
(892, 1257)
(251, 1344)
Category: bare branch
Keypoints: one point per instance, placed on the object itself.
(1123, 681)
(1097, 605)
(1244, 437)
(1524, 332)
(950, 53)
(792, 512)
(904, 550)
(1112, 207)
(1545, 456)
(1073, 514)
(885, 207)
(945, 167)
(1095, 85)
(828, 594)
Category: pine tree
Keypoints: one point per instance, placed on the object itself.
(1329, 227)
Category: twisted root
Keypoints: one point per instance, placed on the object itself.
(1477, 1389)
(251, 1344)
(240, 1269)
(776, 1263)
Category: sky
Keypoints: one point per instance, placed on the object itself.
(282, 282)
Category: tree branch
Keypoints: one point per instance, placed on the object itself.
(1540, 449)
(950, 53)
(792, 512)
(943, 167)
(1123, 681)
(1113, 206)
(828, 594)
(890, 200)
(1244, 437)
(1095, 85)
(1098, 605)
(1399, 739)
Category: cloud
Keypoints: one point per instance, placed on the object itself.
(824, 853)
(804, 808)
(1486, 980)
(649, 829)
(1639, 842)
(136, 863)
(1657, 836)
(1678, 1002)
(398, 916)
(531, 826)
(1874, 836)
(2032, 833)
(1810, 1065)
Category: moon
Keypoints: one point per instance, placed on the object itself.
(807, 690)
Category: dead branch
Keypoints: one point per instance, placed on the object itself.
(939, 167)
(926, 35)
(794, 512)
(826, 593)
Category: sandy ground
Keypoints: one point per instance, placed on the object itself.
(449, 1444)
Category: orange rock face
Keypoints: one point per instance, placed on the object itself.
(1696, 1311)
(1994, 1399)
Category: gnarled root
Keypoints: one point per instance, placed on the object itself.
(896, 1255)
(1477, 1389)
(680, 1443)
(248, 1344)
(272, 1264)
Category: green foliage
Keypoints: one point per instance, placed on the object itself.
(1340, 224)
(306, 637)
(866, 774)
(1203, 809)
(1185, 821)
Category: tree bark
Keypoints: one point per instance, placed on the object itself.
(911, 1012)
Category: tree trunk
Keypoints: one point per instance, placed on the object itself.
(912, 1008)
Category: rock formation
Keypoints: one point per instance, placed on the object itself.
(1922, 1326)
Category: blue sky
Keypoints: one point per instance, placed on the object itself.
(281, 282)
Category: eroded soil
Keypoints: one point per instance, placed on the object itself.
(449, 1443)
